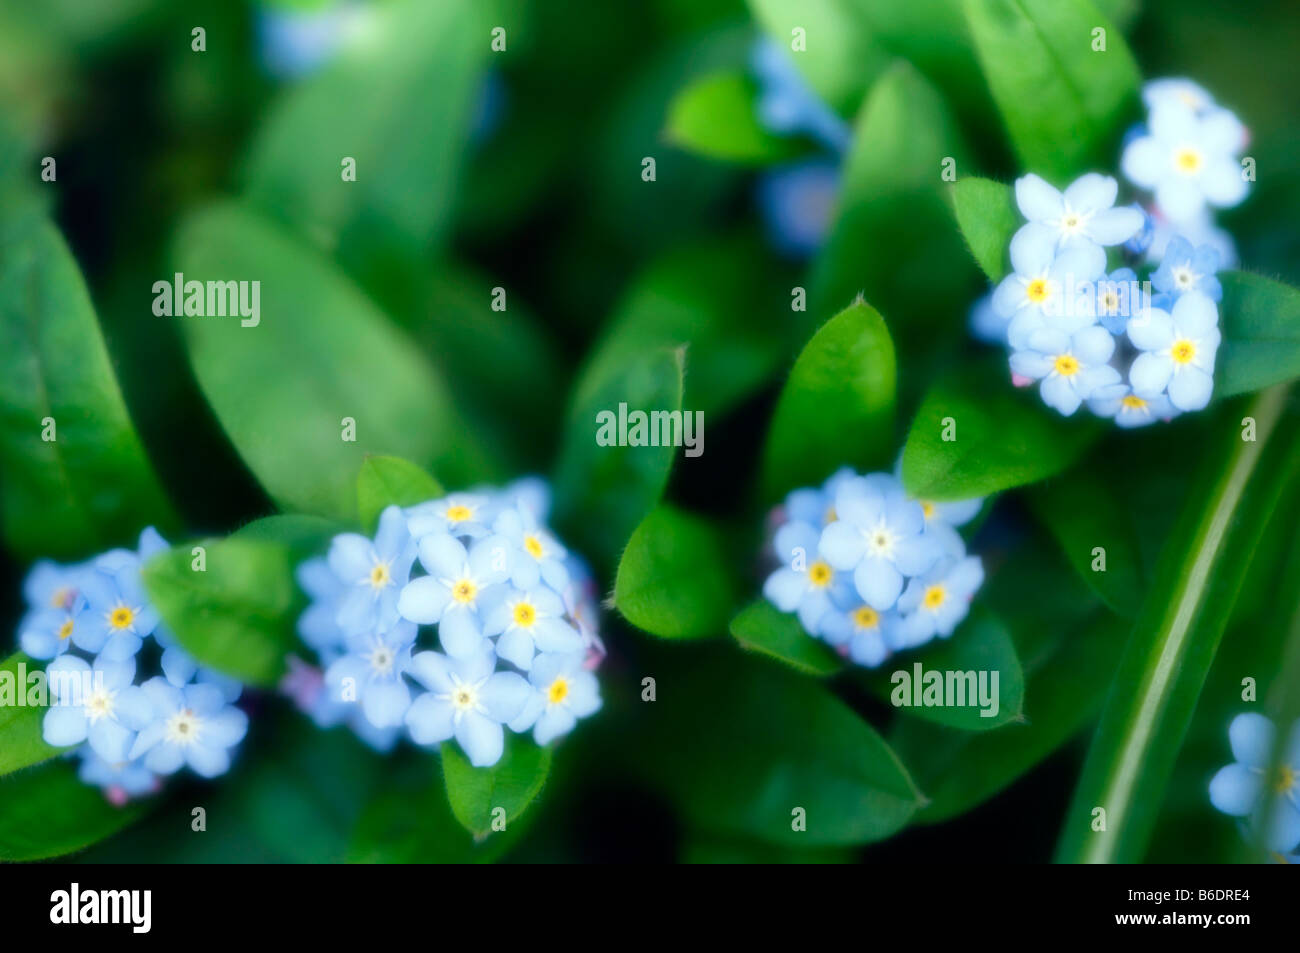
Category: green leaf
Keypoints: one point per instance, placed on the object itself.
(999, 438)
(764, 629)
(21, 741)
(235, 615)
(716, 117)
(512, 784)
(1062, 101)
(892, 197)
(1161, 673)
(672, 580)
(1084, 511)
(837, 407)
(304, 536)
(979, 645)
(386, 481)
(75, 476)
(988, 218)
(401, 104)
(772, 741)
(321, 355)
(48, 812)
(603, 492)
(1261, 333)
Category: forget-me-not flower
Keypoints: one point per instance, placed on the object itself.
(1127, 408)
(1185, 269)
(95, 704)
(460, 514)
(536, 553)
(1254, 787)
(1178, 349)
(805, 582)
(121, 780)
(1083, 215)
(452, 593)
(1046, 290)
(189, 726)
(468, 700)
(1119, 297)
(1071, 366)
(861, 632)
(787, 105)
(934, 604)
(528, 621)
(318, 625)
(562, 691)
(370, 672)
(372, 572)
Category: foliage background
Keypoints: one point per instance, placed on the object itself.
(548, 202)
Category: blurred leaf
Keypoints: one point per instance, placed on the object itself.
(1261, 333)
(1003, 439)
(235, 615)
(386, 481)
(1064, 691)
(1062, 101)
(1164, 667)
(400, 101)
(1083, 511)
(837, 407)
(48, 812)
(980, 644)
(304, 536)
(602, 492)
(320, 353)
(21, 742)
(892, 197)
(89, 486)
(987, 215)
(772, 741)
(762, 628)
(511, 784)
(715, 116)
(672, 580)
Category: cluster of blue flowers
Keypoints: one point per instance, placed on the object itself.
(870, 570)
(1093, 335)
(1264, 794)
(515, 615)
(93, 621)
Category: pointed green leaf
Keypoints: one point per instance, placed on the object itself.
(672, 579)
(715, 116)
(236, 613)
(988, 218)
(510, 785)
(386, 481)
(837, 407)
(764, 629)
(48, 812)
(1261, 333)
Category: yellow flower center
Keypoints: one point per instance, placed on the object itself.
(830, 516)
(459, 513)
(820, 574)
(1066, 365)
(99, 705)
(558, 691)
(1133, 401)
(935, 596)
(464, 591)
(65, 630)
(379, 576)
(1183, 351)
(534, 547)
(525, 614)
(927, 509)
(1187, 160)
(865, 617)
(1036, 290)
(1285, 779)
(1110, 302)
(183, 727)
(121, 617)
(463, 697)
(1070, 222)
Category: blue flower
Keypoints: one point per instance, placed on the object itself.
(1128, 409)
(452, 593)
(180, 668)
(1188, 160)
(1119, 297)
(318, 625)
(862, 631)
(535, 552)
(1199, 230)
(934, 604)
(121, 780)
(797, 201)
(189, 726)
(373, 573)
(1048, 291)
(51, 586)
(370, 672)
(1082, 216)
(1142, 239)
(787, 105)
(1252, 786)
(468, 700)
(804, 583)
(1158, 92)
(562, 690)
(880, 535)
(528, 621)
(46, 633)
(986, 323)
(1185, 269)
(460, 514)
(1178, 350)
(1072, 367)
(98, 705)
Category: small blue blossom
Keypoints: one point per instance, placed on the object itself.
(1119, 297)
(987, 324)
(1129, 410)
(318, 625)
(1142, 239)
(180, 668)
(535, 552)
(460, 514)
(787, 105)
(935, 603)
(120, 780)
(1080, 217)
(797, 201)
(880, 535)
(805, 582)
(47, 633)
(1188, 160)
(191, 726)
(1045, 290)
(1199, 230)
(370, 673)
(1185, 269)
(528, 621)
(1253, 787)
(452, 594)
(95, 704)
(562, 691)
(1178, 350)
(468, 700)
(862, 632)
(372, 572)
(1071, 367)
